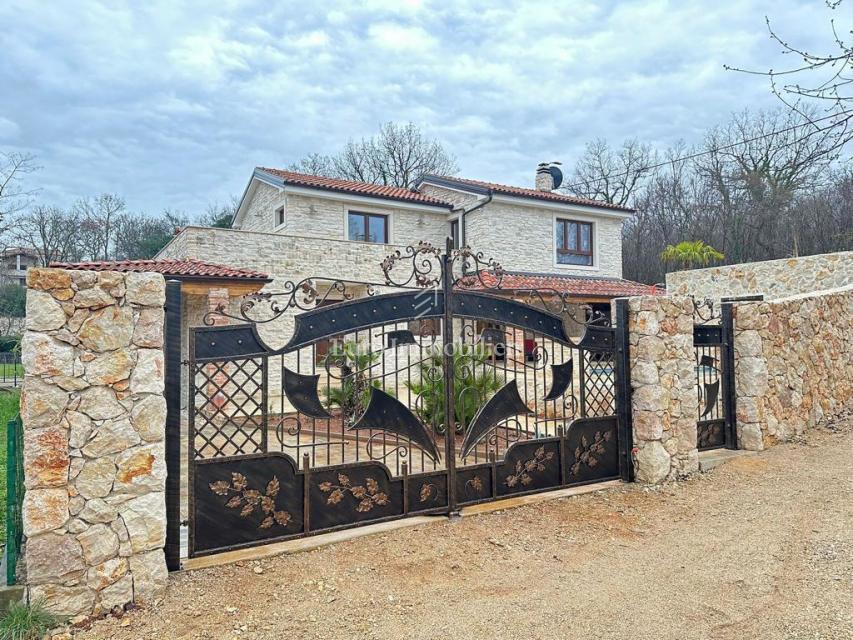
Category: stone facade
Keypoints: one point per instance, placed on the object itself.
(793, 364)
(327, 218)
(663, 384)
(94, 425)
(773, 278)
(522, 238)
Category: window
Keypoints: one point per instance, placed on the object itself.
(574, 243)
(279, 216)
(454, 232)
(367, 227)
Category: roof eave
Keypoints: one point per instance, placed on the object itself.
(281, 182)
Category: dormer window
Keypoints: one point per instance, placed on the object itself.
(574, 243)
(279, 216)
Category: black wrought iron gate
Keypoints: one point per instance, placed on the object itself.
(445, 391)
(713, 340)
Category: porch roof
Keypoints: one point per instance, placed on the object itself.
(187, 269)
(580, 286)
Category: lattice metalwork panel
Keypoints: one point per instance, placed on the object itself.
(599, 388)
(229, 400)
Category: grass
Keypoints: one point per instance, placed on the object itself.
(8, 410)
(9, 371)
(27, 622)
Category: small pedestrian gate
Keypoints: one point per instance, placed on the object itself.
(713, 341)
(448, 390)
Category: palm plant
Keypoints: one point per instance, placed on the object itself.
(353, 395)
(473, 384)
(690, 254)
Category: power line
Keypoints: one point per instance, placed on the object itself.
(699, 154)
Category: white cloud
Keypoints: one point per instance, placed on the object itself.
(171, 104)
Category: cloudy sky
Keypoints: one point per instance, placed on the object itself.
(171, 104)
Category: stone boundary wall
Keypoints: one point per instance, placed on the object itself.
(773, 278)
(793, 365)
(94, 416)
(663, 384)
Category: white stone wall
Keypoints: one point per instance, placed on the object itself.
(773, 278)
(327, 218)
(522, 238)
(663, 383)
(793, 364)
(94, 426)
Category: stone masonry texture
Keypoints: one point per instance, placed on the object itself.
(94, 425)
(773, 278)
(663, 383)
(793, 365)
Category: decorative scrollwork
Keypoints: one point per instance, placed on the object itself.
(524, 469)
(247, 500)
(294, 430)
(476, 270)
(704, 310)
(512, 431)
(400, 449)
(425, 271)
(304, 295)
(368, 495)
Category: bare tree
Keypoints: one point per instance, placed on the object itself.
(220, 215)
(397, 156)
(50, 231)
(14, 196)
(97, 224)
(315, 164)
(611, 175)
(138, 236)
(823, 80)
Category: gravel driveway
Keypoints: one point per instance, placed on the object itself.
(761, 547)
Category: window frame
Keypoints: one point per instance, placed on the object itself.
(366, 215)
(561, 244)
(276, 223)
(455, 223)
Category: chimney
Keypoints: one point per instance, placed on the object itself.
(548, 176)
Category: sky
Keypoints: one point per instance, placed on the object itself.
(171, 104)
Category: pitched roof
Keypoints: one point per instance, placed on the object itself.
(355, 188)
(521, 192)
(572, 285)
(187, 269)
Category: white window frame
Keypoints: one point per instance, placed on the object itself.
(275, 223)
(596, 244)
(389, 217)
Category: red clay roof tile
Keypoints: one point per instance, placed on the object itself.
(573, 285)
(188, 268)
(522, 192)
(356, 188)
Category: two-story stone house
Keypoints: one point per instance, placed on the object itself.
(292, 226)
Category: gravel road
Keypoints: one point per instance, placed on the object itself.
(761, 547)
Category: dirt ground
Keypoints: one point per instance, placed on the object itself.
(761, 547)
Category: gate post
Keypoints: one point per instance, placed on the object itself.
(172, 346)
(623, 392)
(727, 354)
(448, 372)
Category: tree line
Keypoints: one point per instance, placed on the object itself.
(763, 185)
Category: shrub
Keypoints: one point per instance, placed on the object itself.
(27, 621)
(353, 395)
(473, 383)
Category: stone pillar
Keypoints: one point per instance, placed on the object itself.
(94, 424)
(663, 382)
(751, 376)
